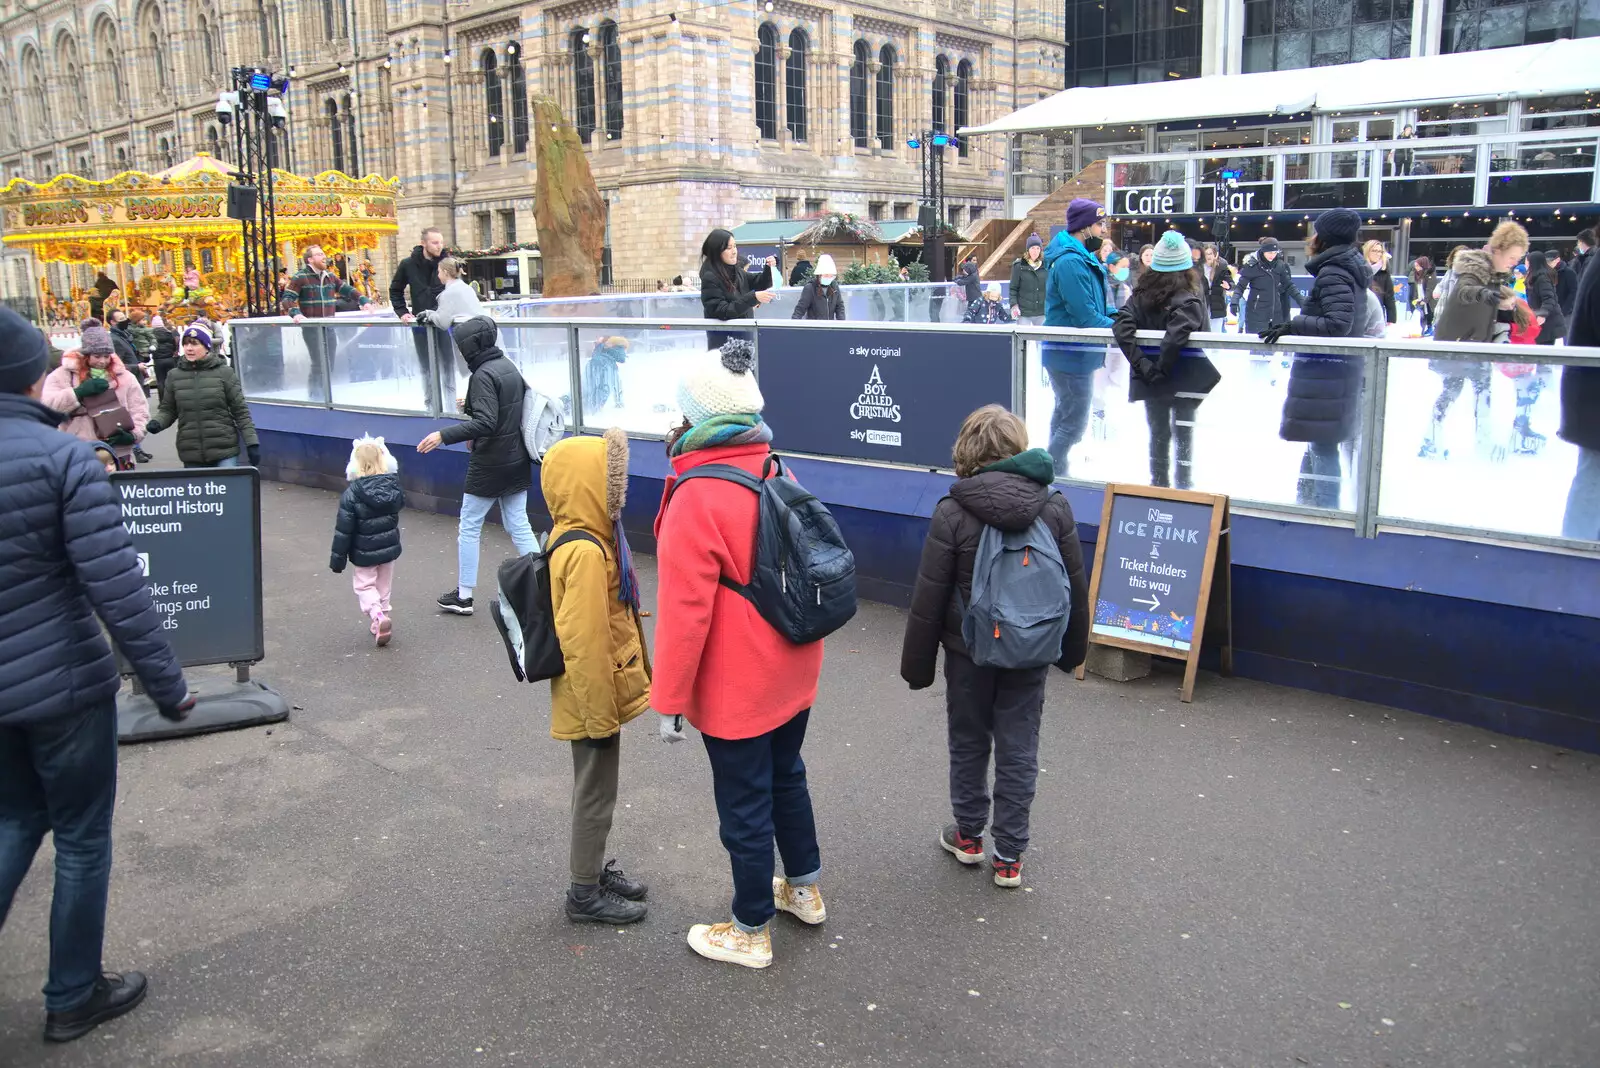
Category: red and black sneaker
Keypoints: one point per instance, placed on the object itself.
(1007, 873)
(968, 849)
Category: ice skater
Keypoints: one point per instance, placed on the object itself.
(366, 533)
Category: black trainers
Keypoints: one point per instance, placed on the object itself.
(596, 904)
(454, 602)
(113, 995)
(616, 880)
(141, 456)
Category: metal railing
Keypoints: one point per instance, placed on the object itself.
(1482, 171)
(1458, 439)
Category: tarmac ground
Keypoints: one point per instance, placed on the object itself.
(1265, 877)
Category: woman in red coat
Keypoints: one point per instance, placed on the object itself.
(721, 666)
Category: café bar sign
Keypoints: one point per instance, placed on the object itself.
(1149, 202)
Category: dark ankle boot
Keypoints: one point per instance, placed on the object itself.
(596, 904)
(616, 880)
(113, 995)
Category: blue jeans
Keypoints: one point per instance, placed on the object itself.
(61, 777)
(513, 513)
(761, 791)
(1320, 478)
(229, 461)
(1074, 393)
(1582, 519)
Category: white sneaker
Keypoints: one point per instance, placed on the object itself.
(726, 942)
(804, 903)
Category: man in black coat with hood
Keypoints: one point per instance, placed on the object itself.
(498, 467)
(1265, 278)
(419, 272)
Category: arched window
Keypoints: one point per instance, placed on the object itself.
(582, 84)
(517, 85)
(859, 132)
(8, 131)
(941, 81)
(335, 135)
(164, 153)
(213, 142)
(33, 85)
(122, 159)
(72, 73)
(210, 47)
(154, 35)
(963, 100)
(108, 54)
(767, 81)
(886, 60)
(333, 19)
(352, 149)
(611, 59)
(794, 84)
(493, 102)
(85, 168)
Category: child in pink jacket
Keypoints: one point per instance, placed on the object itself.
(102, 398)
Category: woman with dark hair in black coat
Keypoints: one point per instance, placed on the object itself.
(1323, 408)
(1543, 300)
(727, 291)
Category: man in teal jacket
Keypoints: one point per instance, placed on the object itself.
(1074, 295)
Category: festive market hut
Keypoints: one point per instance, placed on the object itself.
(178, 219)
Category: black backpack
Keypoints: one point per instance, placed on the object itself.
(803, 577)
(524, 615)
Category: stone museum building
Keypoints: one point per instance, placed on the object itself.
(695, 114)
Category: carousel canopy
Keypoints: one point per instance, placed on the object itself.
(138, 216)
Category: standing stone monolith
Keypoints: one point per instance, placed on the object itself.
(567, 206)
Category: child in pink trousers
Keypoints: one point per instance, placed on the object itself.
(367, 530)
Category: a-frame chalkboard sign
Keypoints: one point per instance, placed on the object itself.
(1162, 575)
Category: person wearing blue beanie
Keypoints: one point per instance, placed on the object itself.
(69, 577)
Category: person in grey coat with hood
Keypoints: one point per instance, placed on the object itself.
(1323, 408)
(499, 469)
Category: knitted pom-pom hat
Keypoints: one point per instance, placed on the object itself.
(723, 382)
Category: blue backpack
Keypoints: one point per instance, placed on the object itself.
(1021, 599)
(803, 578)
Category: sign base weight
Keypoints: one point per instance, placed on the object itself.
(221, 704)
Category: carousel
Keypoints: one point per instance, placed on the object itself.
(167, 245)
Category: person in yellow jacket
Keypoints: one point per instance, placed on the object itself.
(594, 594)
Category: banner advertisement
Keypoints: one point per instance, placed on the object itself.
(868, 394)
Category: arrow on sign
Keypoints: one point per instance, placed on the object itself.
(1154, 602)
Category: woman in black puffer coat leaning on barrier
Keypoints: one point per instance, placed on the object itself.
(1323, 408)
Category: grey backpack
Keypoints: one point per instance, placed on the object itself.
(1021, 599)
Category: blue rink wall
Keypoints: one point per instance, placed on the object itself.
(1499, 637)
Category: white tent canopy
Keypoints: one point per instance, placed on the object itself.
(1570, 66)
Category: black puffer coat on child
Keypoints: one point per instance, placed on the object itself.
(367, 531)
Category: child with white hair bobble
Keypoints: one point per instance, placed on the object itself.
(366, 533)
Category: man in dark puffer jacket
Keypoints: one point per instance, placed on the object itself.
(64, 561)
(204, 398)
(1324, 402)
(499, 468)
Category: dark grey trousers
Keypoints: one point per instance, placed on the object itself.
(594, 798)
(1000, 709)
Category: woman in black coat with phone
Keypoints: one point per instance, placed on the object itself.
(727, 290)
(1543, 300)
(1382, 280)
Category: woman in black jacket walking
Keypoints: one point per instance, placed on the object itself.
(1168, 297)
(727, 291)
(1324, 403)
(1264, 290)
(1219, 287)
(1422, 283)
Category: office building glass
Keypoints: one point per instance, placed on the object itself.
(1473, 24)
(1289, 34)
(1119, 42)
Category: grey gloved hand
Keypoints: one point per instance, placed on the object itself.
(672, 729)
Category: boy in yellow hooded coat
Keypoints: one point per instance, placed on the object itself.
(594, 596)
